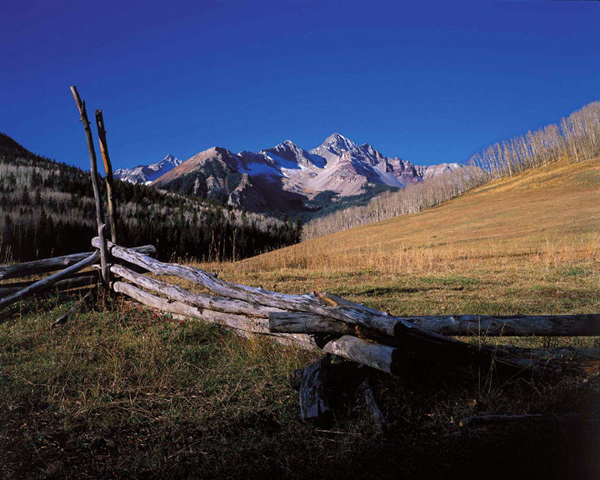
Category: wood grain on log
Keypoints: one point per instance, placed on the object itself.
(239, 322)
(112, 206)
(205, 301)
(511, 325)
(299, 322)
(371, 354)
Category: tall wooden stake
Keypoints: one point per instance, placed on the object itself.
(112, 207)
(94, 173)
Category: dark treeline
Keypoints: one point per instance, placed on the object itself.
(46, 209)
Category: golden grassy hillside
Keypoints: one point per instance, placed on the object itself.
(525, 244)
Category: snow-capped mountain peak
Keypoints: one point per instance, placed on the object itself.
(293, 155)
(286, 175)
(337, 143)
(148, 173)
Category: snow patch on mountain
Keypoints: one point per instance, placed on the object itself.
(287, 174)
(146, 174)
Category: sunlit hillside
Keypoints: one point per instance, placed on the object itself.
(530, 243)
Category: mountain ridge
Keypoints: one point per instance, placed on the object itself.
(292, 174)
(146, 174)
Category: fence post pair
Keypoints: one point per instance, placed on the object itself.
(104, 263)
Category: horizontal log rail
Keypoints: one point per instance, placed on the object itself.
(48, 282)
(239, 322)
(586, 325)
(173, 292)
(82, 279)
(46, 265)
(70, 277)
(41, 266)
(339, 327)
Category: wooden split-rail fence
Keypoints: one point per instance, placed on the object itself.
(316, 321)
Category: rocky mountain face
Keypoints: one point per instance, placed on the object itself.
(285, 177)
(146, 174)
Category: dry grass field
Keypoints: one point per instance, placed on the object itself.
(122, 392)
(529, 244)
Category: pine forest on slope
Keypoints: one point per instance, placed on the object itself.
(47, 210)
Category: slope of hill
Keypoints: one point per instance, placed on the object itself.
(286, 177)
(551, 203)
(575, 138)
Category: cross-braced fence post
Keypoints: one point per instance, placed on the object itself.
(97, 197)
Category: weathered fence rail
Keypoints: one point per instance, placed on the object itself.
(335, 325)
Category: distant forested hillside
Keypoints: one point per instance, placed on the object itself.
(46, 208)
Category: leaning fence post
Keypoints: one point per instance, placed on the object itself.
(94, 173)
(112, 207)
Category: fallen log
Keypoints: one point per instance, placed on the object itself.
(511, 325)
(46, 265)
(381, 357)
(81, 279)
(497, 419)
(47, 282)
(489, 325)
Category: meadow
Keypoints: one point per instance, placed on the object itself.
(121, 391)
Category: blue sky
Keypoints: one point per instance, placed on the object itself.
(429, 81)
